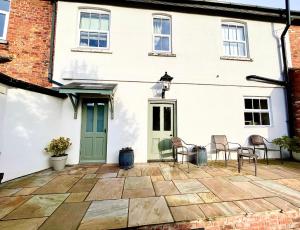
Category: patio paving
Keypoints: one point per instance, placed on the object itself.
(155, 194)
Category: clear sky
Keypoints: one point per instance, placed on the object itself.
(295, 4)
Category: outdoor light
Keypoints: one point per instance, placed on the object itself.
(166, 83)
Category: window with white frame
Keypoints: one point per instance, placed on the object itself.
(94, 29)
(257, 111)
(4, 15)
(234, 39)
(162, 34)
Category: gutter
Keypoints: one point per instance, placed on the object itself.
(52, 40)
(286, 78)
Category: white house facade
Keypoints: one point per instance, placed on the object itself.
(110, 59)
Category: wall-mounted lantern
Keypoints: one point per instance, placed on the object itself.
(166, 83)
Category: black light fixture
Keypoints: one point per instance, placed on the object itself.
(166, 83)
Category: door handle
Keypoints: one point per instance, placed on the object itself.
(105, 130)
(171, 135)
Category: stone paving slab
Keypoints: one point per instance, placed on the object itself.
(8, 204)
(26, 191)
(285, 192)
(187, 213)
(84, 185)
(197, 173)
(185, 199)
(22, 224)
(138, 183)
(173, 173)
(107, 175)
(90, 176)
(29, 181)
(254, 190)
(60, 184)
(146, 211)
(77, 197)
(108, 214)
(225, 190)
(209, 197)
(282, 204)
(239, 178)
(130, 172)
(291, 183)
(165, 188)
(65, 219)
(190, 186)
(38, 206)
(9, 191)
(215, 210)
(157, 178)
(151, 171)
(106, 189)
(256, 206)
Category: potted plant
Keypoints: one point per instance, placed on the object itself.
(57, 149)
(290, 144)
(126, 158)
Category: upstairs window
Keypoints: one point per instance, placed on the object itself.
(94, 29)
(4, 15)
(257, 111)
(234, 40)
(162, 33)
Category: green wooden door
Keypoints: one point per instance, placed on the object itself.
(161, 130)
(93, 131)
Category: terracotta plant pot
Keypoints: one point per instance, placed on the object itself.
(59, 163)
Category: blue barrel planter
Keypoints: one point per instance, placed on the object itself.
(126, 158)
(202, 156)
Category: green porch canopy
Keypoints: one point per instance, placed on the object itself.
(76, 89)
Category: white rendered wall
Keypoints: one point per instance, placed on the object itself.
(197, 42)
(28, 121)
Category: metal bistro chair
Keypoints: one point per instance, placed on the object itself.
(246, 152)
(260, 143)
(180, 147)
(222, 145)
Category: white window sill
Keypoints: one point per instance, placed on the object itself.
(158, 54)
(91, 50)
(257, 126)
(5, 42)
(236, 58)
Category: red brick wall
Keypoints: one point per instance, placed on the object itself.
(295, 45)
(295, 82)
(28, 37)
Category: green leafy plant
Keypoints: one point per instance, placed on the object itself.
(57, 147)
(291, 144)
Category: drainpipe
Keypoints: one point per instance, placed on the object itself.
(52, 40)
(286, 78)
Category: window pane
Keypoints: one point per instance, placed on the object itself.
(157, 43)
(263, 103)
(248, 118)
(157, 25)
(103, 40)
(167, 118)
(265, 119)
(84, 20)
(4, 5)
(89, 117)
(165, 44)
(241, 49)
(84, 39)
(95, 22)
(233, 49)
(256, 104)
(232, 33)
(225, 32)
(240, 33)
(93, 42)
(166, 27)
(104, 22)
(156, 118)
(100, 117)
(2, 24)
(256, 118)
(248, 103)
(226, 47)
